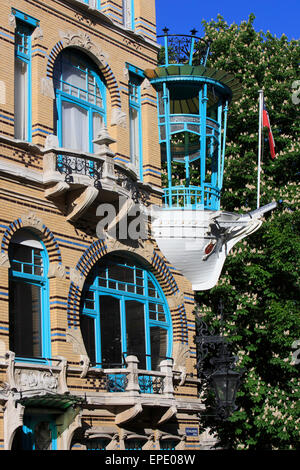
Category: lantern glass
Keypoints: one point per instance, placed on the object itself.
(225, 385)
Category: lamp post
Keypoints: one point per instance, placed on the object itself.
(222, 376)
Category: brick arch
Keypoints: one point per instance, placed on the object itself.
(156, 265)
(88, 47)
(33, 223)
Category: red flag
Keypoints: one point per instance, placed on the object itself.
(266, 123)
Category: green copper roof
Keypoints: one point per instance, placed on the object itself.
(195, 72)
(49, 400)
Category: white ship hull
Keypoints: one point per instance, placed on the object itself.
(197, 242)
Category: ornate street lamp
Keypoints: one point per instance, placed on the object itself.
(222, 375)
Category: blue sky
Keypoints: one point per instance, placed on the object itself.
(276, 16)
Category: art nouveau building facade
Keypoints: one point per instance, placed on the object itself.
(96, 334)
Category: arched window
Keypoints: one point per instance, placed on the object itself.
(29, 324)
(124, 312)
(80, 100)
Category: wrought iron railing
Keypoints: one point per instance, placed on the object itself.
(73, 164)
(184, 48)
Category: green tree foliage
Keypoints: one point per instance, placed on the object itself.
(259, 284)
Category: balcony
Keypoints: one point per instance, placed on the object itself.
(192, 197)
(131, 389)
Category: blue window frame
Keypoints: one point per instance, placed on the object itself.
(135, 122)
(29, 321)
(80, 101)
(124, 312)
(22, 78)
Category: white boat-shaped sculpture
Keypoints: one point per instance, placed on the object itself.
(197, 242)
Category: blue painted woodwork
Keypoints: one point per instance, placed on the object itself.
(24, 28)
(91, 97)
(29, 269)
(135, 113)
(115, 284)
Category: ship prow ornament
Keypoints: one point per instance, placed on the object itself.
(198, 242)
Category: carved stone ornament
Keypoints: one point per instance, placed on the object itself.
(76, 277)
(74, 337)
(175, 300)
(118, 118)
(4, 260)
(12, 21)
(29, 379)
(181, 353)
(57, 270)
(32, 220)
(83, 40)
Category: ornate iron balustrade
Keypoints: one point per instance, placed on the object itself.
(151, 384)
(185, 49)
(70, 164)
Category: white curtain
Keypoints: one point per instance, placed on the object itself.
(21, 100)
(97, 125)
(75, 129)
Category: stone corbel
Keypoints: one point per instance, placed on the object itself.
(167, 415)
(82, 203)
(57, 190)
(128, 415)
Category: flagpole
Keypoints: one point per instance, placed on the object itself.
(261, 98)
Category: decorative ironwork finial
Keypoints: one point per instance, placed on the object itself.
(194, 31)
(165, 30)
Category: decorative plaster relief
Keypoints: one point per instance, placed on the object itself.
(83, 40)
(32, 220)
(28, 379)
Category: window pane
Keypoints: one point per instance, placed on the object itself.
(110, 326)
(158, 340)
(21, 99)
(87, 326)
(75, 130)
(25, 319)
(135, 331)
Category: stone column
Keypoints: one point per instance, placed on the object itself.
(133, 383)
(166, 369)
